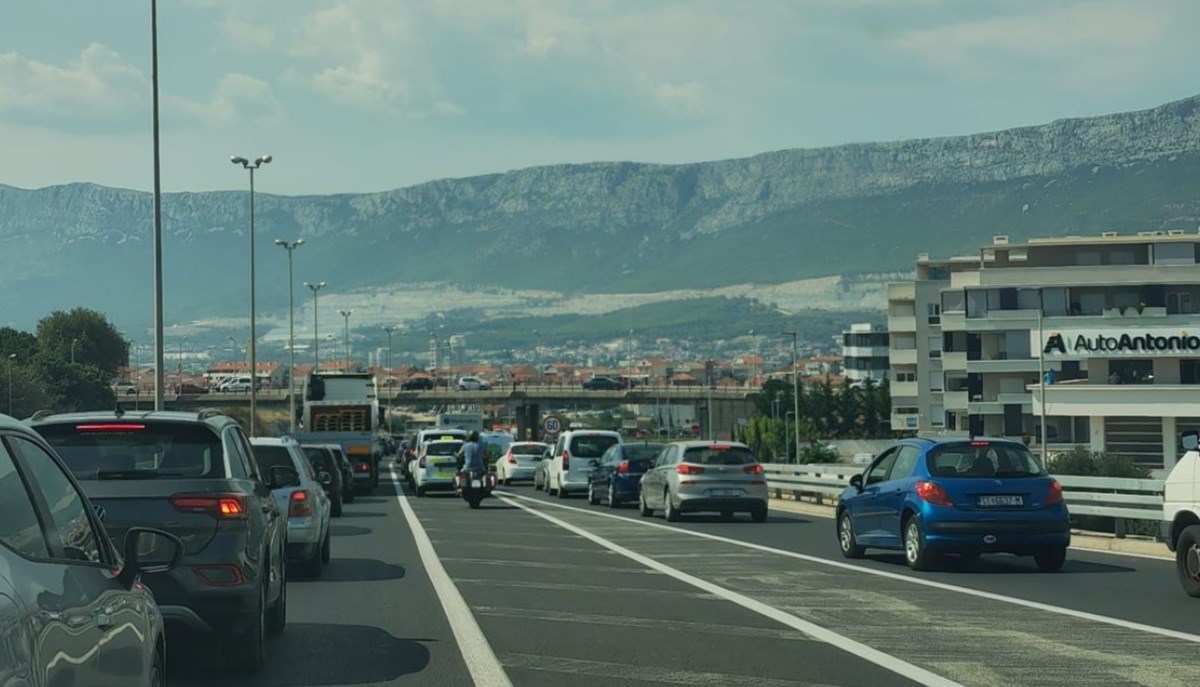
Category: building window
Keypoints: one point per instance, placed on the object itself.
(906, 376)
(1131, 371)
(1179, 303)
(905, 410)
(935, 313)
(1189, 371)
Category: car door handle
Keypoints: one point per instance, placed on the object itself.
(103, 620)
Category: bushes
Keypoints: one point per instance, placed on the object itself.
(1087, 463)
(818, 453)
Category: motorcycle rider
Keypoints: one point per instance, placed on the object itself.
(470, 456)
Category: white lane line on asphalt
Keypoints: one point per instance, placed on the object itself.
(992, 596)
(481, 661)
(879, 658)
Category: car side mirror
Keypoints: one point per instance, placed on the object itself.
(148, 552)
(594, 463)
(281, 476)
(857, 482)
(324, 477)
(1190, 440)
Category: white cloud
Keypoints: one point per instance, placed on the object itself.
(100, 83)
(235, 97)
(248, 35)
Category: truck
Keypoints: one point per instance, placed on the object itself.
(342, 408)
(466, 421)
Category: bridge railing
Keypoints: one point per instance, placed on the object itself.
(1111, 497)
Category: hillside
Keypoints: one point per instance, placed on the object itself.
(615, 227)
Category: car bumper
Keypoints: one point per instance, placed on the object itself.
(742, 504)
(519, 472)
(437, 485)
(570, 483)
(1012, 536)
(303, 531)
(185, 601)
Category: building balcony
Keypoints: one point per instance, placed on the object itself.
(905, 422)
(902, 291)
(1078, 398)
(901, 323)
(956, 400)
(1072, 275)
(903, 356)
(904, 389)
(954, 361)
(865, 351)
(1014, 365)
(954, 321)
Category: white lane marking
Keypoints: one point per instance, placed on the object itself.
(885, 661)
(992, 596)
(481, 661)
(624, 672)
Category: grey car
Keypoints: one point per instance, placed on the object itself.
(72, 610)
(705, 476)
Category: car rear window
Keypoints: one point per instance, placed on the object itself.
(443, 448)
(273, 457)
(591, 445)
(981, 459)
(642, 451)
(719, 455)
(136, 449)
(529, 449)
(319, 458)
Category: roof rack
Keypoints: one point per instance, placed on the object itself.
(206, 413)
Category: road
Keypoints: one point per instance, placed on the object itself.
(553, 592)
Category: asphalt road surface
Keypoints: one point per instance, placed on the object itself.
(531, 590)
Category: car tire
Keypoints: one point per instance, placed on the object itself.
(312, 567)
(348, 497)
(336, 508)
(644, 510)
(246, 651)
(1187, 560)
(593, 500)
(759, 514)
(562, 492)
(420, 490)
(277, 615)
(613, 501)
(158, 668)
(1051, 559)
(326, 549)
(847, 541)
(537, 483)
(670, 513)
(917, 556)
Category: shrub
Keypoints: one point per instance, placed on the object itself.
(818, 453)
(1091, 464)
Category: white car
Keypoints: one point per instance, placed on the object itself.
(472, 384)
(307, 506)
(520, 461)
(569, 467)
(436, 466)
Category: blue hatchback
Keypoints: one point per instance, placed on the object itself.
(961, 496)
(616, 474)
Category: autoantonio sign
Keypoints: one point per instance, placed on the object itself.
(1158, 341)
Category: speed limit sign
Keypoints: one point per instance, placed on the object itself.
(551, 425)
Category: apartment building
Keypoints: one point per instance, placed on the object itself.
(865, 353)
(1114, 319)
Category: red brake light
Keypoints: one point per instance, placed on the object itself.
(623, 467)
(362, 467)
(300, 505)
(566, 458)
(224, 506)
(685, 469)
(110, 427)
(756, 469)
(980, 444)
(1055, 494)
(932, 492)
(719, 447)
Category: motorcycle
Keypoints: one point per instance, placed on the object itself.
(474, 485)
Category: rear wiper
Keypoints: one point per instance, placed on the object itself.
(135, 474)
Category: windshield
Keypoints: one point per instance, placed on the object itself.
(443, 448)
(719, 455)
(137, 450)
(983, 460)
(591, 445)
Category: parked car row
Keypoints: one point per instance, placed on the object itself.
(208, 521)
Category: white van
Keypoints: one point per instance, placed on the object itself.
(239, 384)
(570, 466)
(1180, 528)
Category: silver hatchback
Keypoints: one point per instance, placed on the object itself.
(705, 476)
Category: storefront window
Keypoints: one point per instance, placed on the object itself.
(1131, 371)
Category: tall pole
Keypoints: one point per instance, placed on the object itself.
(709, 373)
(1042, 374)
(796, 387)
(11, 358)
(158, 266)
(290, 247)
(316, 346)
(390, 392)
(346, 316)
(629, 347)
(252, 348)
(73, 342)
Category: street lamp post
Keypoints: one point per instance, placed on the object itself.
(346, 316)
(316, 347)
(290, 247)
(252, 348)
(179, 362)
(159, 359)
(390, 391)
(795, 387)
(11, 358)
(73, 342)
(629, 348)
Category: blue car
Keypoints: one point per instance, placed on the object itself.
(616, 474)
(929, 497)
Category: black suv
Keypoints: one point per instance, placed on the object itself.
(195, 476)
(417, 384)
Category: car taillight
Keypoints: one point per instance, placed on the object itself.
(756, 469)
(223, 506)
(219, 575)
(1054, 495)
(931, 492)
(566, 459)
(300, 505)
(685, 469)
(362, 467)
(623, 467)
(512, 460)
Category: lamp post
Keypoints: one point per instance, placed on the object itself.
(11, 358)
(1042, 375)
(179, 361)
(316, 347)
(795, 387)
(290, 247)
(251, 349)
(346, 316)
(537, 353)
(629, 348)
(159, 359)
(390, 391)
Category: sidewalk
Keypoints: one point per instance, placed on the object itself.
(1091, 541)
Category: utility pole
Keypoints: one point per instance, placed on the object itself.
(390, 392)
(316, 345)
(796, 387)
(159, 360)
(252, 348)
(346, 316)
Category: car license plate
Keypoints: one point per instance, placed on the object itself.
(475, 484)
(726, 492)
(1001, 501)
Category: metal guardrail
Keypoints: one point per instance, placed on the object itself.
(1111, 497)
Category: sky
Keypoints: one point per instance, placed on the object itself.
(369, 95)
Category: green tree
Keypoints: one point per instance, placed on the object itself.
(70, 388)
(23, 344)
(97, 341)
(28, 393)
